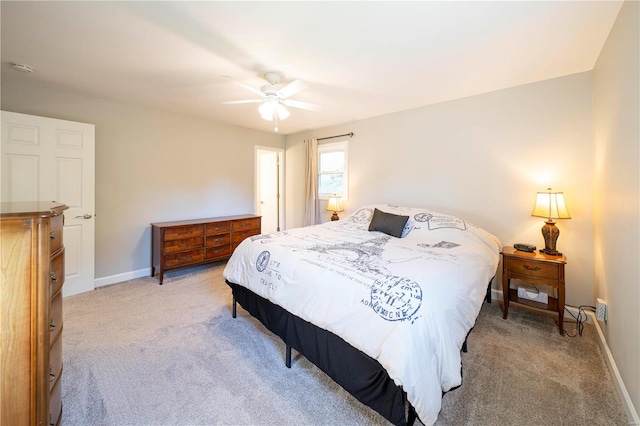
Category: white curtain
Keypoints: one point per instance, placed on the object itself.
(311, 204)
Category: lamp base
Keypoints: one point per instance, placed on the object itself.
(550, 232)
(334, 217)
(551, 252)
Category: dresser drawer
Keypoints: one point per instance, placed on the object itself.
(218, 252)
(183, 258)
(55, 234)
(55, 404)
(237, 237)
(180, 232)
(218, 240)
(55, 321)
(56, 277)
(251, 223)
(218, 227)
(174, 246)
(55, 363)
(533, 269)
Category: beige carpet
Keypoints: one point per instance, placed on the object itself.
(137, 353)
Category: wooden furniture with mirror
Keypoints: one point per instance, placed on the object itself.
(31, 297)
(185, 243)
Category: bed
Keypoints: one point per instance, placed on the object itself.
(381, 301)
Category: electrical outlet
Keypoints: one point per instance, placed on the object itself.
(601, 310)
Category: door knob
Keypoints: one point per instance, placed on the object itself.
(85, 216)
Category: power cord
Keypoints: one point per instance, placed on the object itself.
(579, 320)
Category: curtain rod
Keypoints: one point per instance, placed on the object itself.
(350, 134)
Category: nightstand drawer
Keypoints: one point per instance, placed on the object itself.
(533, 269)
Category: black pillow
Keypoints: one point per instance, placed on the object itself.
(391, 224)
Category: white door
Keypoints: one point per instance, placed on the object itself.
(45, 159)
(268, 188)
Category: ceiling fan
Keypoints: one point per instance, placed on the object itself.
(274, 100)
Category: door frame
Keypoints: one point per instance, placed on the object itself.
(281, 176)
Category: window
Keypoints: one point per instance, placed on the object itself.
(333, 167)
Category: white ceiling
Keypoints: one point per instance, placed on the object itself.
(360, 59)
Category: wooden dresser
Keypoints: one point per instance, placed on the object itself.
(32, 265)
(195, 242)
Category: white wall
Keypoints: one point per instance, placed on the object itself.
(151, 165)
(482, 158)
(617, 189)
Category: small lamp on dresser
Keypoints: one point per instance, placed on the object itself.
(551, 205)
(335, 205)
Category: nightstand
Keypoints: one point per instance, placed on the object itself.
(533, 268)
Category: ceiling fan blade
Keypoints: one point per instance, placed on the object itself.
(249, 88)
(246, 101)
(302, 105)
(291, 89)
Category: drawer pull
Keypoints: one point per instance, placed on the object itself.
(52, 377)
(53, 278)
(531, 268)
(182, 245)
(52, 236)
(245, 224)
(184, 258)
(185, 232)
(51, 325)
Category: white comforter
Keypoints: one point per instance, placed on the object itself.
(407, 302)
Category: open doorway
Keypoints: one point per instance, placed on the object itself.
(269, 172)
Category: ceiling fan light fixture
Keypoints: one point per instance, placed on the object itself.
(282, 112)
(273, 108)
(266, 110)
(274, 100)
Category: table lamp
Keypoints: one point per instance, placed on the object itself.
(335, 205)
(551, 205)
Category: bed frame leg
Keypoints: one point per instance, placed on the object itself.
(287, 360)
(233, 309)
(412, 415)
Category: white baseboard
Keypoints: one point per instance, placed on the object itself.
(118, 278)
(632, 414)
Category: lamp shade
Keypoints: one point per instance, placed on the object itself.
(335, 204)
(551, 205)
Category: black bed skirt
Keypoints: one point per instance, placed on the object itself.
(359, 374)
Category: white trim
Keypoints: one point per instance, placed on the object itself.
(632, 414)
(118, 278)
(341, 146)
(281, 178)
